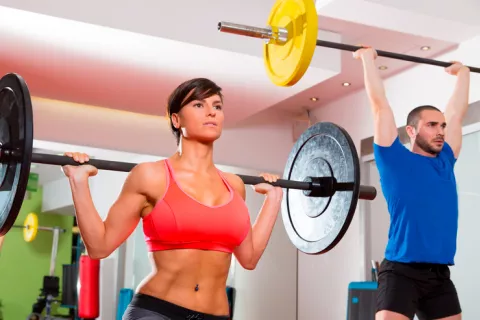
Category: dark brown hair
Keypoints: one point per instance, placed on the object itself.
(188, 91)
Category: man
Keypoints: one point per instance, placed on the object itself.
(420, 189)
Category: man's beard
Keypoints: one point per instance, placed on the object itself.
(425, 146)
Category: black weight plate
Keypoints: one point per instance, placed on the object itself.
(16, 139)
(315, 225)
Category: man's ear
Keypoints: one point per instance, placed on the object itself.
(411, 131)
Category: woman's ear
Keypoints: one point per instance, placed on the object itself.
(175, 120)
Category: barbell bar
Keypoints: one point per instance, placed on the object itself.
(291, 38)
(281, 37)
(318, 186)
(38, 228)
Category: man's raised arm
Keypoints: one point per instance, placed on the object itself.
(385, 131)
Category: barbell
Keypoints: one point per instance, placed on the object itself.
(321, 177)
(291, 39)
(30, 227)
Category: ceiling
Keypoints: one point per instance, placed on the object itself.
(465, 12)
(129, 57)
(125, 56)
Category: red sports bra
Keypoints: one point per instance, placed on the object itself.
(178, 221)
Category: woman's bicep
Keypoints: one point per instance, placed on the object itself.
(244, 252)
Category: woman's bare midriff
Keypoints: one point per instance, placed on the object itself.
(176, 274)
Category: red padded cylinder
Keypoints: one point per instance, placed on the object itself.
(89, 291)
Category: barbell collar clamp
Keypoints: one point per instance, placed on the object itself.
(275, 34)
(7, 154)
(328, 186)
(320, 186)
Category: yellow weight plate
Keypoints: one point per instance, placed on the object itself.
(287, 63)
(31, 227)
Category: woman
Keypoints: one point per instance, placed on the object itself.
(194, 216)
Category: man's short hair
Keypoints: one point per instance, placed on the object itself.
(414, 115)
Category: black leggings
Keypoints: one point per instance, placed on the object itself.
(144, 307)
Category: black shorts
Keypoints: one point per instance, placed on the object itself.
(417, 288)
(145, 307)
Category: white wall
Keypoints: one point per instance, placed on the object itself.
(423, 84)
(241, 146)
(463, 274)
(377, 221)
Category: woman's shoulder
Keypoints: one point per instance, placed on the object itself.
(148, 173)
(235, 182)
(146, 169)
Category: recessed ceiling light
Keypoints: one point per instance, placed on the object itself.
(383, 67)
(425, 48)
(346, 84)
(314, 98)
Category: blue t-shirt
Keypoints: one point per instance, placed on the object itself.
(421, 194)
